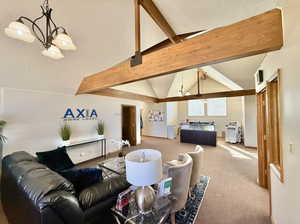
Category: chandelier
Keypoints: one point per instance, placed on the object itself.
(53, 38)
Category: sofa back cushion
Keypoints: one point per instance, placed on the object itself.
(33, 179)
(109, 188)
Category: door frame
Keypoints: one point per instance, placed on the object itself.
(265, 136)
(264, 172)
(263, 161)
(135, 123)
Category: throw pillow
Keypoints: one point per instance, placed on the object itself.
(82, 178)
(56, 160)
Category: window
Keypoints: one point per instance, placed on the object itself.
(195, 108)
(216, 107)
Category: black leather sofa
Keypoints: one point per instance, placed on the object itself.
(34, 194)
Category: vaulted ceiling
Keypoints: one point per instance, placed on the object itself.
(104, 34)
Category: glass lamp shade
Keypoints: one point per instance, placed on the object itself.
(53, 52)
(64, 42)
(20, 31)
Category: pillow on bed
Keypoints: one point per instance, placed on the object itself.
(56, 160)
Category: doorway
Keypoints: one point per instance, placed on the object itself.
(129, 124)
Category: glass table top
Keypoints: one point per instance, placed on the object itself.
(113, 167)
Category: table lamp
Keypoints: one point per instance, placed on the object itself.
(144, 168)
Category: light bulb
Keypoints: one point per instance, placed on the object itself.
(53, 52)
(64, 42)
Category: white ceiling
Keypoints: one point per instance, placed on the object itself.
(104, 34)
(241, 70)
(162, 84)
(186, 78)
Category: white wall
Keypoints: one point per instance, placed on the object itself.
(172, 113)
(34, 118)
(250, 121)
(154, 128)
(286, 196)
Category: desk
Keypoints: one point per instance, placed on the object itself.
(200, 134)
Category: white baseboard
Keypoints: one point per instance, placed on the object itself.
(272, 220)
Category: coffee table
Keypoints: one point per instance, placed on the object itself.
(159, 215)
(113, 167)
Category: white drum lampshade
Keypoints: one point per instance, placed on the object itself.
(143, 167)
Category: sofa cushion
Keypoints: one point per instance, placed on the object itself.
(82, 178)
(34, 179)
(102, 191)
(65, 205)
(56, 160)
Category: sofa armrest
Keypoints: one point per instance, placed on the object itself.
(100, 192)
(65, 205)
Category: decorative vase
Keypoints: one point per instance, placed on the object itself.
(100, 136)
(66, 142)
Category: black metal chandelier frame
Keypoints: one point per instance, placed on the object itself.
(51, 29)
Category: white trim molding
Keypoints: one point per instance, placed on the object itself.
(272, 220)
(275, 171)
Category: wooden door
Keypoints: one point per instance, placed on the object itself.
(263, 155)
(129, 124)
(274, 129)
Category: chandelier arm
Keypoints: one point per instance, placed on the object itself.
(34, 25)
(57, 29)
(44, 42)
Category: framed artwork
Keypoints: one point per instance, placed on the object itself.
(156, 116)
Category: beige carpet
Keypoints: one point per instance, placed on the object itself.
(233, 196)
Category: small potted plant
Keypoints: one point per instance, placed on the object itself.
(125, 143)
(120, 145)
(100, 129)
(65, 134)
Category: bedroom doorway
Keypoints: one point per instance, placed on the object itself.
(129, 124)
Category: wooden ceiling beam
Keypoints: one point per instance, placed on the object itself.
(163, 44)
(256, 35)
(159, 19)
(234, 93)
(137, 17)
(167, 42)
(202, 74)
(125, 95)
(148, 99)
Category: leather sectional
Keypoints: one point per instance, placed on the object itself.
(32, 193)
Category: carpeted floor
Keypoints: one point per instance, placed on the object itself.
(233, 196)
